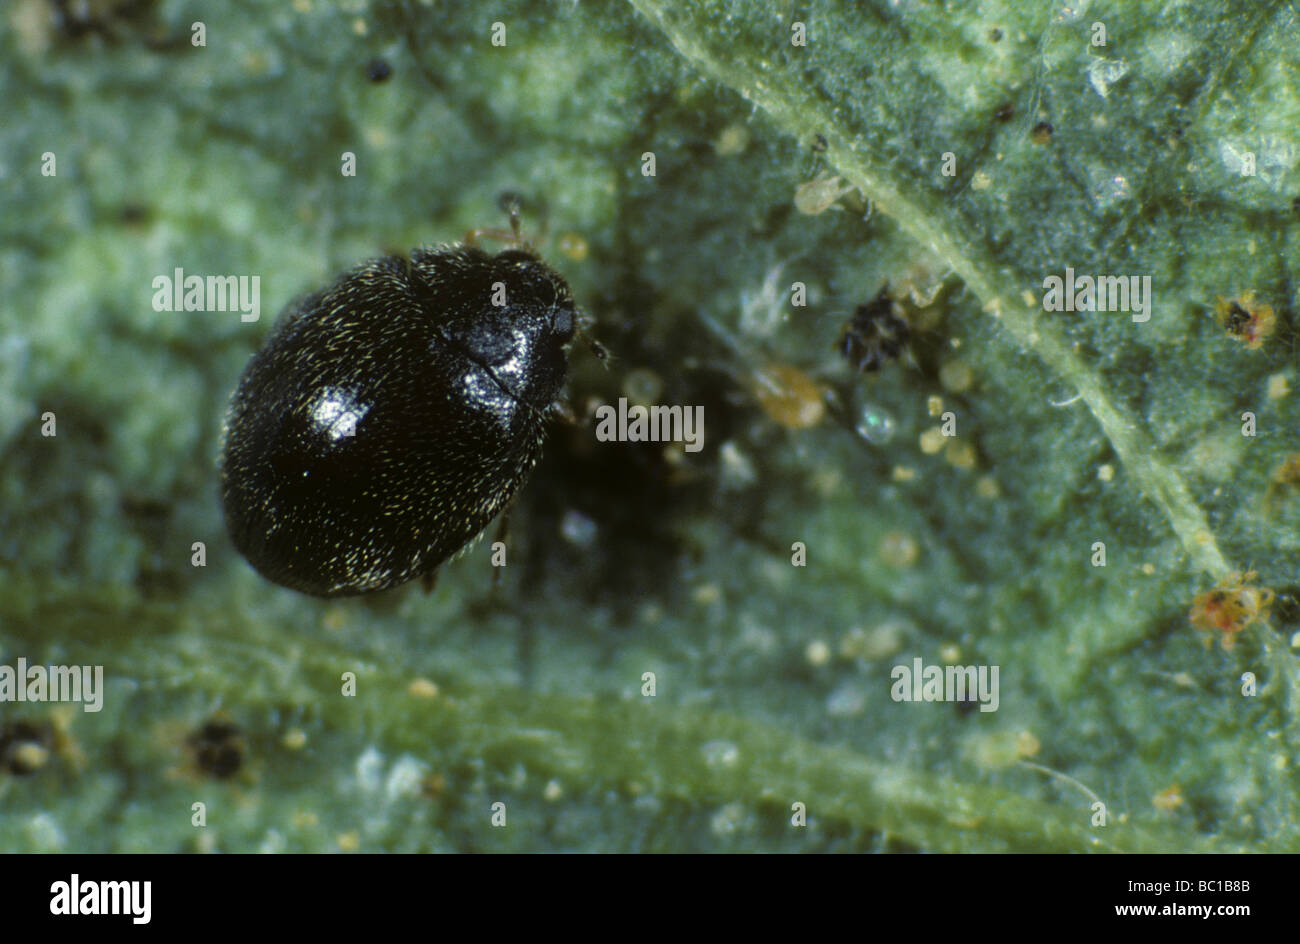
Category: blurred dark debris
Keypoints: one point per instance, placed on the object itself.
(218, 748)
(25, 746)
(378, 70)
(113, 21)
(876, 333)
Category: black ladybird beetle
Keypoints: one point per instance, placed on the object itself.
(388, 419)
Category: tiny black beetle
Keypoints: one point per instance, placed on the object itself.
(388, 419)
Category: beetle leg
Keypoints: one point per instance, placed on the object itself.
(601, 352)
(473, 237)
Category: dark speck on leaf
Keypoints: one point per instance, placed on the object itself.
(1238, 318)
(1286, 609)
(132, 214)
(218, 748)
(875, 334)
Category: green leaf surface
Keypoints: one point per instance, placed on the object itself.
(773, 682)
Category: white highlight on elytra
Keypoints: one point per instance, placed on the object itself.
(482, 388)
(336, 413)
